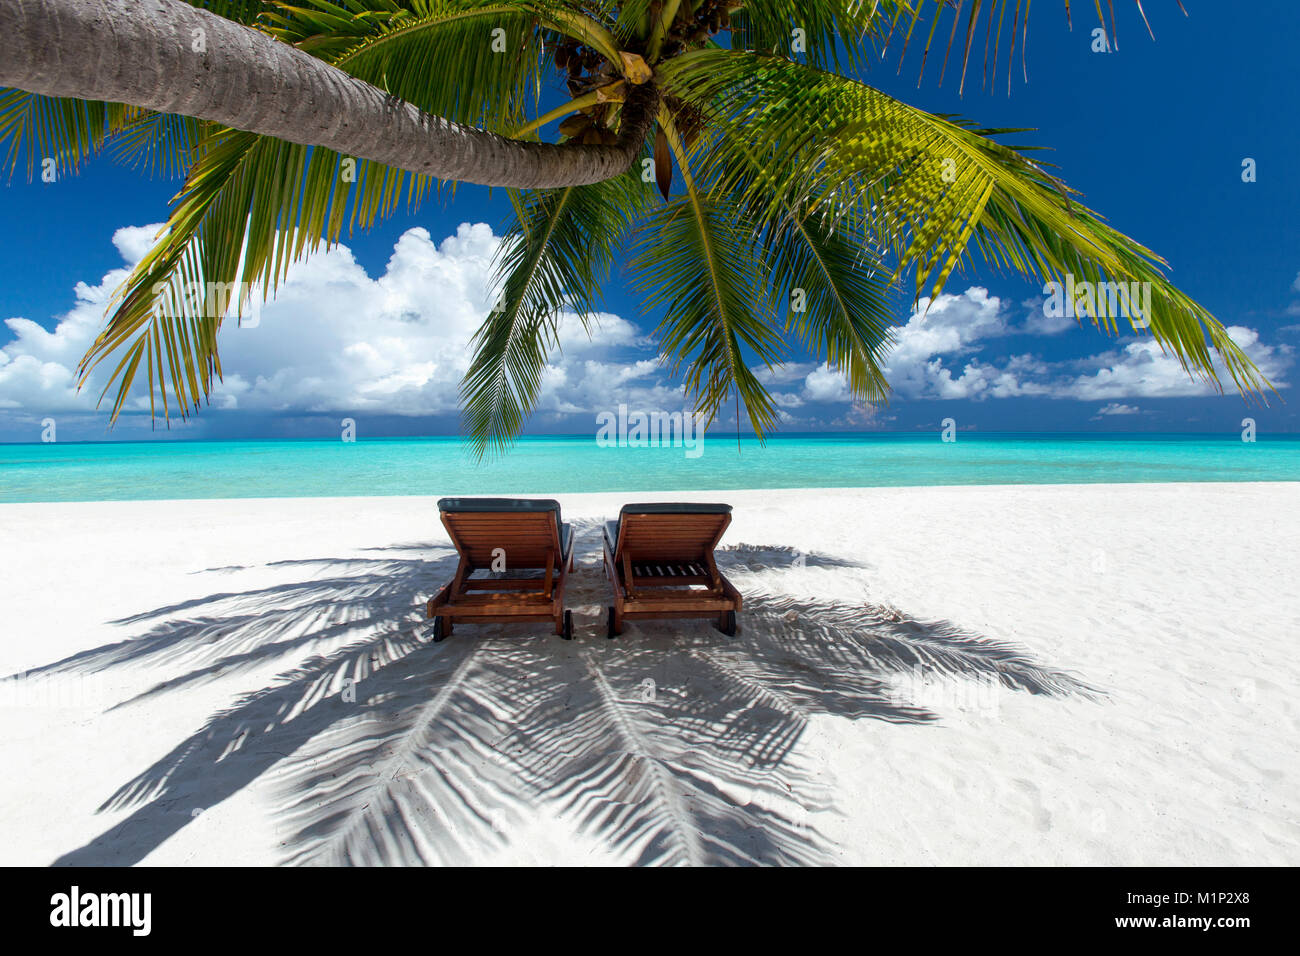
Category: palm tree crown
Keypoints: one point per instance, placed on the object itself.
(776, 193)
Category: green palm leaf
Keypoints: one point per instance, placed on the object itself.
(826, 277)
(66, 131)
(435, 54)
(250, 207)
(697, 260)
(840, 33)
(846, 317)
(555, 255)
(904, 17)
(926, 188)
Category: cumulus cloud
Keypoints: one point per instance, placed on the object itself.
(949, 326)
(936, 356)
(1141, 369)
(825, 384)
(788, 373)
(337, 339)
(38, 367)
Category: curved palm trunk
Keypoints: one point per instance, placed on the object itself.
(143, 53)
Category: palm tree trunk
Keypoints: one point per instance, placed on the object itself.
(168, 56)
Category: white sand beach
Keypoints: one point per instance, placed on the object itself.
(1092, 674)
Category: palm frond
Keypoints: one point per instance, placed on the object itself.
(162, 144)
(845, 318)
(631, 19)
(69, 132)
(40, 128)
(1000, 31)
(438, 55)
(826, 277)
(840, 34)
(555, 255)
(697, 260)
(250, 207)
(928, 187)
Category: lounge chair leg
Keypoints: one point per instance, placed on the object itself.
(727, 623)
(441, 629)
(615, 626)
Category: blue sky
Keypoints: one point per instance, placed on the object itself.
(1154, 135)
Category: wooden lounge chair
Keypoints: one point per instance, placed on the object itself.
(659, 558)
(503, 537)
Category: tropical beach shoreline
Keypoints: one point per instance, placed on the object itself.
(1047, 674)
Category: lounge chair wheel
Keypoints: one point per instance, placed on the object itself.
(611, 631)
(440, 633)
(728, 623)
(568, 626)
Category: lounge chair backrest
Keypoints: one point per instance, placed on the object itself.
(527, 531)
(659, 533)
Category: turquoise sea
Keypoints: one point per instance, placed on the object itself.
(102, 471)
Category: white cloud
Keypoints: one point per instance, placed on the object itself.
(920, 364)
(935, 358)
(947, 326)
(133, 242)
(334, 338)
(38, 368)
(1114, 408)
(789, 373)
(1141, 369)
(825, 384)
(1294, 307)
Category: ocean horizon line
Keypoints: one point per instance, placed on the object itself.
(1233, 435)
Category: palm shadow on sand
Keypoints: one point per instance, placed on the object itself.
(673, 744)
